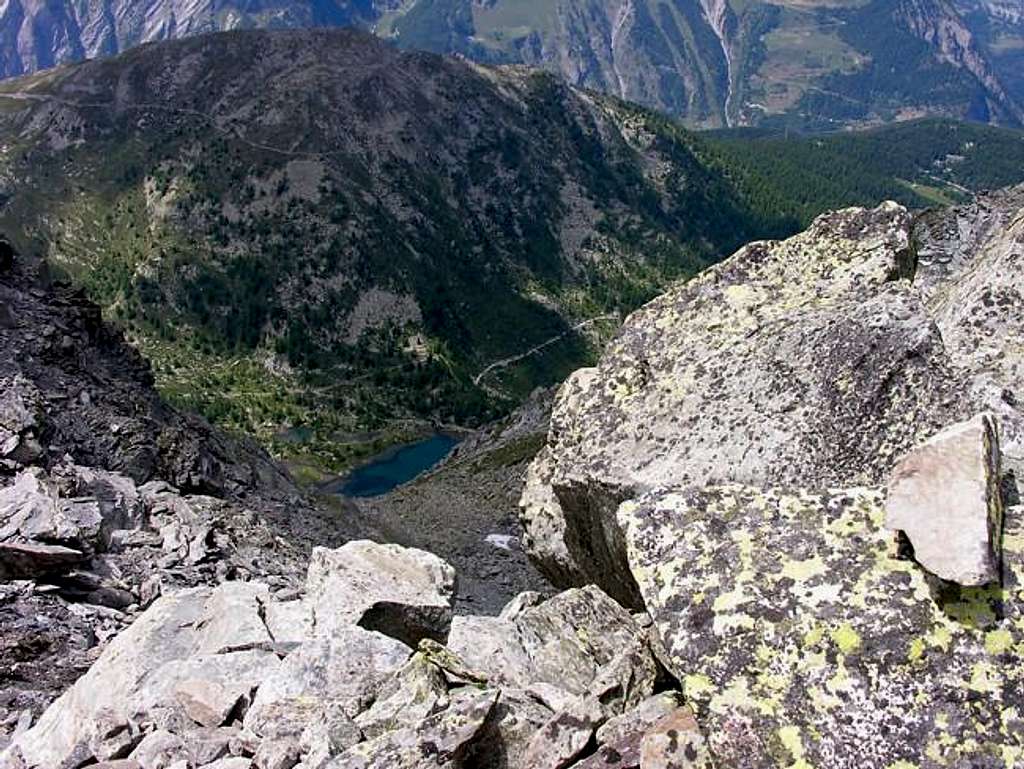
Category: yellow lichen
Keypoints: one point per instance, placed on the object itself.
(801, 571)
(917, 647)
(846, 638)
(998, 641)
(984, 678)
(697, 685)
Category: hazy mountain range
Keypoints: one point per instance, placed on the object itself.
(808, 63)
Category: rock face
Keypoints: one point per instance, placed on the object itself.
(945, 496)
(811, 362)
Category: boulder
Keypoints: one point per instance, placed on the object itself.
(621, 685)
(21, 420)
(416, 691)
(349, 666)
(136, 678)
(808, 362)
(442, 740)
(29, 560)
(400, 592)
(121, 504)
(159, 750)
(564, 642)
(945, 496)
(802, 637)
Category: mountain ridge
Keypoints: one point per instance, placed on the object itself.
(714, 63)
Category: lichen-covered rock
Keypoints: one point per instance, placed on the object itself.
(675, 742)
(945, 496)
(810, 361)
(802, 638)
(442, 740)
(401, 592)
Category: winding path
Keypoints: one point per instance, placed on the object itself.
(537, 348)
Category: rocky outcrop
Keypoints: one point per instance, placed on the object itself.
(809, 362)
(801, 634)
(741, 460)
(109, 498)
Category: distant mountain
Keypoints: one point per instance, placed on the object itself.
(805, 63)
(312, 233)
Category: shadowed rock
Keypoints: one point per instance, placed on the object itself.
(400, 592)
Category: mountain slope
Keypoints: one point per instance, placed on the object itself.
(812, 63)
(313, 229)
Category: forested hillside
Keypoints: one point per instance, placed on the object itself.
(918, 163)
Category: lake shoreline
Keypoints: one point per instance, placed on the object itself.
(387, 470)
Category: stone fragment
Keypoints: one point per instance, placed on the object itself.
(415, 692)
(397, 591)
(233, 762)
(208, 703)
(326, 735)
(159, 750)
(276, 754)
(564, 641)
(442, 740)
(558, 743)
(29, 560)
(945, 496)
(675, 742)
(206, 744)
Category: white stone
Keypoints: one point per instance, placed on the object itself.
(944, 495)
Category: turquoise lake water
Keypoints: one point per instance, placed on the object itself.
(396, 467)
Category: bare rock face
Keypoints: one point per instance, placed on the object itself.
(945, 496)
(810, 361)
(561, 643)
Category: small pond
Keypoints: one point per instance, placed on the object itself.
(395, 467)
